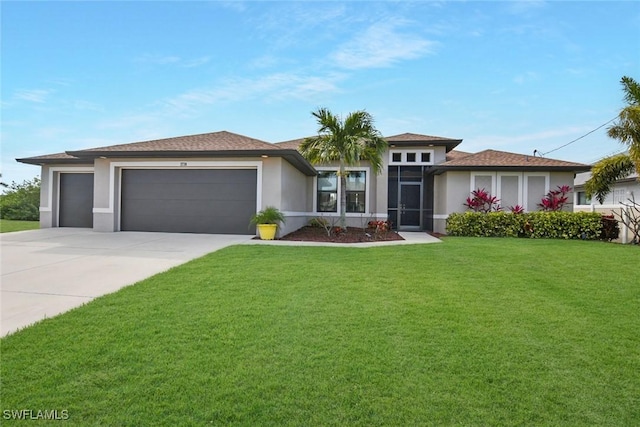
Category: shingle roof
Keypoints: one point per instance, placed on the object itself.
(503, 159)
(292, 144)
(221, 143)
(415, 139)
(214, 141)
(456, 154)
(402, 139)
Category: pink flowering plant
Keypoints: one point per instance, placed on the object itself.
(555, 199)
(481, 201)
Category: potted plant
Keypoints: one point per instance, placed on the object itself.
(267, 221)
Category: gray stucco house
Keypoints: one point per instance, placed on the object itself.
(214, 182)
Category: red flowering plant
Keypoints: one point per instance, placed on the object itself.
(481, 201)
(555, 199)
(517, 209)
(379, 226)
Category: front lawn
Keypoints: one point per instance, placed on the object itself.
(8, 225)
(466, 332)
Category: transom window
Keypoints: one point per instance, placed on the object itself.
(411, 157)
(328, 186)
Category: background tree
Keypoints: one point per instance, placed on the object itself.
(627, 130)
(346, 142)
(21, 201)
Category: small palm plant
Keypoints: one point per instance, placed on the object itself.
(267, 221)
(269, 215)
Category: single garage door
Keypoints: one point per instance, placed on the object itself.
(76, 200)
(211, 201)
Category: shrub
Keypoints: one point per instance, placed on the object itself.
(610, 228)
(555, 199)
(552, 225)
(481, 201)
(21, 201)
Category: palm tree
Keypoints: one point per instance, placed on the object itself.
(627, 130)
(346, 142)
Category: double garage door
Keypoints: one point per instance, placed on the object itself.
(211, 201)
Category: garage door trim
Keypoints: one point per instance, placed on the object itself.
(181, 165)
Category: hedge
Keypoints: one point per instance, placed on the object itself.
(548, 225)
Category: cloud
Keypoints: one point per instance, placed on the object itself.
(196, 62)
(545, 139)
(172, 60)
(381, 45)
(271, 87)
(33, 95)
(526, 77)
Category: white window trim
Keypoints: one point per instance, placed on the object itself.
(472, 184)
(523, 184)
(367, 192)
(499, 186)
(418, 154)
(525, 188)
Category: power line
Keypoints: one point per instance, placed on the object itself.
(579, 138)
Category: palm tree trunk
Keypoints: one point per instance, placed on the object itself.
(343, 196)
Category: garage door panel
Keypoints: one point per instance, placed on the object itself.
(174, 191)
(189, 201)
(76, 200)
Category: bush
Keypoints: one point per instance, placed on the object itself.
(21, 201)
(610, 228)
(551, 225)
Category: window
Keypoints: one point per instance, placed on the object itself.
(411, 157)
(327, 192)
(328, 187)
(356, 181)
(582, 198)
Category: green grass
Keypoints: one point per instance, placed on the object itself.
(9, 225)
(467, 332)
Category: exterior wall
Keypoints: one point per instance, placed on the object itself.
(46, 188)
(440, 154)
(558, 179)
(452, 189)
(295, 197)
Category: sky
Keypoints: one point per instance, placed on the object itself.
(514, 76)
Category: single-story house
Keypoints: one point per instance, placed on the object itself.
(622, 192)
(214, 183)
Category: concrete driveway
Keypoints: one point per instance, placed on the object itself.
(49, 271)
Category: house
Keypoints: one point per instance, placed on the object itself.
(622, 191)
(214, 182)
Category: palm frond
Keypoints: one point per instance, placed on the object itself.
(605, 173)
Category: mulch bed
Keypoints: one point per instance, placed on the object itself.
(352, 235)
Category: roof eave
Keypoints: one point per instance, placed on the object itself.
(575, 169)
(41, 162)
(291, 155)
(448, 144)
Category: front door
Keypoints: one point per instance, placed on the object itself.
(409, 211)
